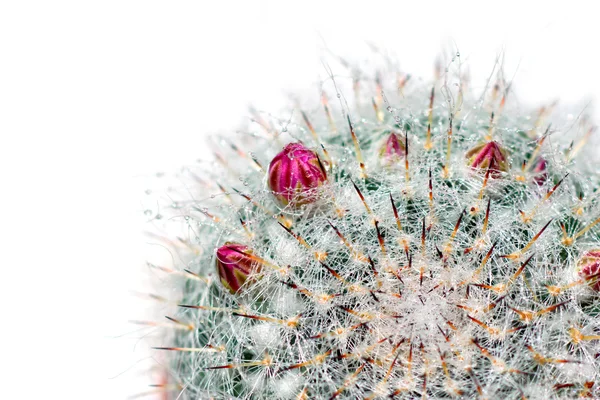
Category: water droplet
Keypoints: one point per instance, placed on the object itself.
(338, 96)
(148, 191)
(457, 54)
(147, 212)
(212, 196)
(158, 216)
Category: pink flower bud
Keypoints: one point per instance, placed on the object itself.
(488, 155)
(234, 265)
(393, 149)
(589, 268)
(295, 173)
(540, 175)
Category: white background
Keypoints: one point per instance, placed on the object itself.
(95, 94)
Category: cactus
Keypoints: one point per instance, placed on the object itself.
(421, 241)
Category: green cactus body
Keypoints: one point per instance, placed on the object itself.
(427, 274)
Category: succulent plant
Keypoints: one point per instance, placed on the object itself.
(421, 241)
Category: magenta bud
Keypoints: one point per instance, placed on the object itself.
(488, 156)
(540, 174)
(393, 149)
(234, 264)
(589, 268)
(295, 173)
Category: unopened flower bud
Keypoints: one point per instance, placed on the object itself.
(540, 174)
(295, 173)
(488, 155)
(234, 265)
(393, 149)
(588, 268)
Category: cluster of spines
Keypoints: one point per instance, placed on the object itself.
(380, 272)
